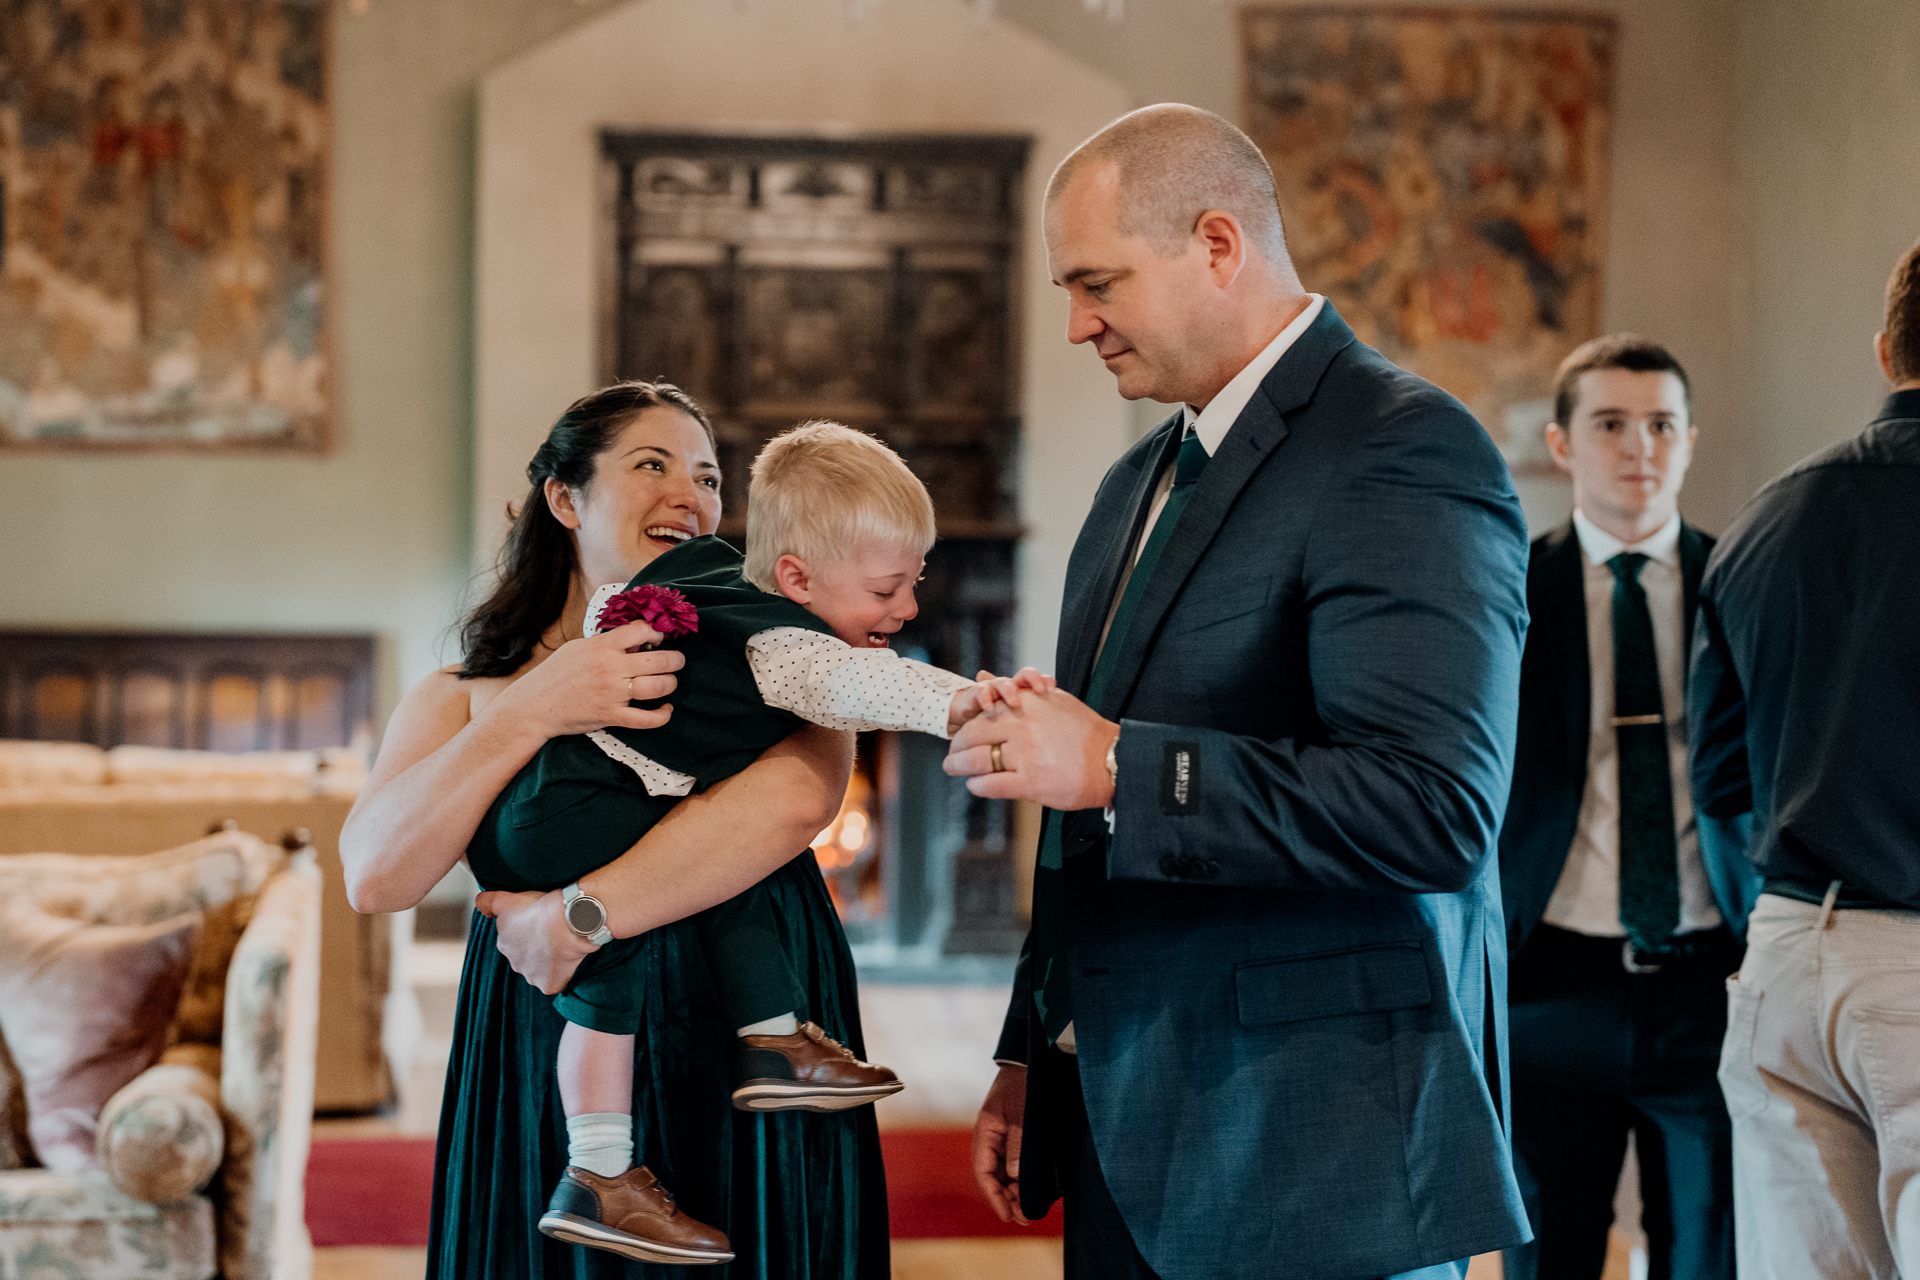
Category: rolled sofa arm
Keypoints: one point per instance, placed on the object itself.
(267, 1040)
(161, 1137)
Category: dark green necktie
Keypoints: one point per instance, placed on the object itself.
(1649, 874)
(1049, 960)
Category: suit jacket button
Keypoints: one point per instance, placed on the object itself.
(1171, 868)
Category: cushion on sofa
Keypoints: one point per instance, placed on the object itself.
(161, 1137)
(159, 764)
(218, 876)
(142, 888)
(84, 1008)
(197, 1018)
(31, 764)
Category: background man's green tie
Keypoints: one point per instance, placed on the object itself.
(1649, 874)
(1049, 959)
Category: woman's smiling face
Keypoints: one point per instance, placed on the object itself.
(655, 487)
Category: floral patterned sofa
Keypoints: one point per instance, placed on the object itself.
(195, 1167)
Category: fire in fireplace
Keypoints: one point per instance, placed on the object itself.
(848, 850)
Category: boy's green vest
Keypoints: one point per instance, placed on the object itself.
(572, 808)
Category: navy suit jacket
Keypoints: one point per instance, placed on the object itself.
(1287, 962)
(1550, 764)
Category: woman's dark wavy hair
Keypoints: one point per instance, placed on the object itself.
(539, 559)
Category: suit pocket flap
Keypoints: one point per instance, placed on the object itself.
(1368, 980)
(1197, 615)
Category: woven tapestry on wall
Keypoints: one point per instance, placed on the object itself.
(164, 170)
(1443, 180)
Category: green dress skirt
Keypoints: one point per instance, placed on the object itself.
(802, 1196)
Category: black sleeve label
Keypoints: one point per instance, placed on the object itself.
(1180, 779)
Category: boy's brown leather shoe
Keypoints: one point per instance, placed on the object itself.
(631, 1215)
(806, 1071)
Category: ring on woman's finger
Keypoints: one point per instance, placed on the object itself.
(629, 688)
(999, 761)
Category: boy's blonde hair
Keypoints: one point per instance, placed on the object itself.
(821, 488)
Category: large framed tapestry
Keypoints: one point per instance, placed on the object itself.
(1443, 180)
(162, 224)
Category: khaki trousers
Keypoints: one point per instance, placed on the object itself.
(1821, 1072)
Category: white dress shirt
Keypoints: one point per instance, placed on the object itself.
(1587, 897)
(821, 679)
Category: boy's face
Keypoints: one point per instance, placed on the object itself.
(865, 596)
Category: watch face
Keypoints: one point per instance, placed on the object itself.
(585, 915)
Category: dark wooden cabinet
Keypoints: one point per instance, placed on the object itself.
(867, 280)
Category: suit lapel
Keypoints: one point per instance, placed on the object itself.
(1259, 430)
(1076, 667)
(1563, 598)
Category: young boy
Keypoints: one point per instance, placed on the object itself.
(837, 533)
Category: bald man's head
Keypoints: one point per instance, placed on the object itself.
(1175, 162)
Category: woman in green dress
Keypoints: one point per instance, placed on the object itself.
(626, 474)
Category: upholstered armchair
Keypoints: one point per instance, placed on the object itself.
(157, 1034)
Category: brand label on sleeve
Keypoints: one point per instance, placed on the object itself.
(1180, 779)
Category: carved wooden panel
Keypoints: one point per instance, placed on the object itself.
(866, 280)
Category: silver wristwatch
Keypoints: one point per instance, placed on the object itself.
(586, 915)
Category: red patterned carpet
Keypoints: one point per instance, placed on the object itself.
(378, 1191)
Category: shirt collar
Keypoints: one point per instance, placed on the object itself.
(1213, 423)
(1599, 546)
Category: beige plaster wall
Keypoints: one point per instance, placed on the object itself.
(1764, 180)
(908, 66)
(1830, 141)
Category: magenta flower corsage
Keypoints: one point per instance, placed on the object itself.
(662, 608)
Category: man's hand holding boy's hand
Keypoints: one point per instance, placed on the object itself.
(991, 691)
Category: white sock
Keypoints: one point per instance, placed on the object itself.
(601, 1142)
(783, 1025)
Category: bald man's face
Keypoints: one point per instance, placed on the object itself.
(1142, 313)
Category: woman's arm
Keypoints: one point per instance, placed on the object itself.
(440, 767)
(708, 848)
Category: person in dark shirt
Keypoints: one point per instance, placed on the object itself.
(1804, 707)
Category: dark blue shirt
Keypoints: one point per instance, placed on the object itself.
(1804, 700)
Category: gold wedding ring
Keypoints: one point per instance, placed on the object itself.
(629, 688)
(999, 761)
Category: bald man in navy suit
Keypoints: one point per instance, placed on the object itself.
(1257, 1027)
